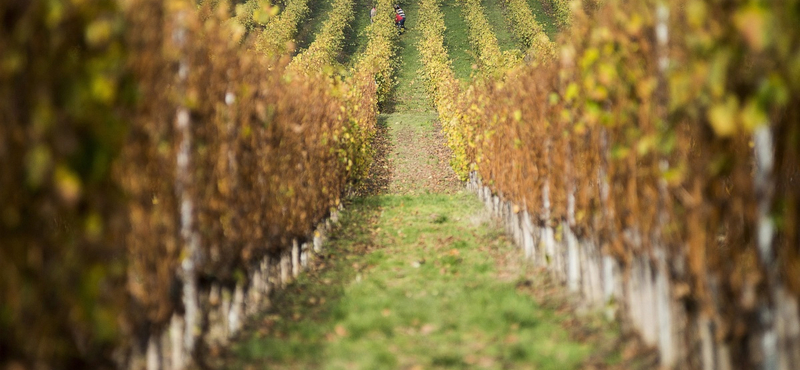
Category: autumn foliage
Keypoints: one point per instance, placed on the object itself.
(101, 175)
(660, 127)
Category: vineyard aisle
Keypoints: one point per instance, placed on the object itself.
(417, 276)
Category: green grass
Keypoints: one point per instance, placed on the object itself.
(456, 40)
(500, 24)
(309, 27)
(414, 121)
(546, 20)
(417, 120)
(355, 35)
(422, 290)
(409, 95)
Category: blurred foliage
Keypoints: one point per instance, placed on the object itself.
(90, 95)
(254, 14)
(64, 93)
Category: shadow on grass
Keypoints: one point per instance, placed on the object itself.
(355, 35)
(380, 171)
(294, 331)
(312, 24)
(415, 281)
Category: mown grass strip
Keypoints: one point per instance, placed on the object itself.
(500, 25)
(412, 283)
(312, 24)
(545, 19)
(456, 40)
(410, 96)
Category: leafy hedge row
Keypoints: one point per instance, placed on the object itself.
(528, 31)
(279, 31)
(378, 60)
(372, 79)
(491, 61)
(368, 83)
(671, 128)
(440, 81)
(562, 11)
(145, 147)
(253, 14)
(327, 43)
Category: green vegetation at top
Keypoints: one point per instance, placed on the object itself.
(312, 24)
(456, 40)
(491, 61)
(546, 20)
(329, 40)
(409, 94)
(356, 38)
(500, 25)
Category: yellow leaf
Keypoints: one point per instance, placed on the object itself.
(722, 117)
(98, 32)
(38, 164)
(572, 92)
(752, 22)
(93, 226)
(67, 184)
(103, 88)
(697, 13)
(753, 116)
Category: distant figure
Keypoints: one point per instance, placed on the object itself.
(372, 14)
(400, 18)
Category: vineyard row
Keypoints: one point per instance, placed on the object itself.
(652, 165)
(162, 173)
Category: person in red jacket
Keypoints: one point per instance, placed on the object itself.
(400, 18)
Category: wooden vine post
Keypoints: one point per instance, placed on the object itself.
(664, 302)
(183, 186)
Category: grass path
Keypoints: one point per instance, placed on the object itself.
(309, 27)
(547, 21)
(410, 284)
(501, 27)
(409, 95)
(456, 39)
(418, 276)
(355, 34)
